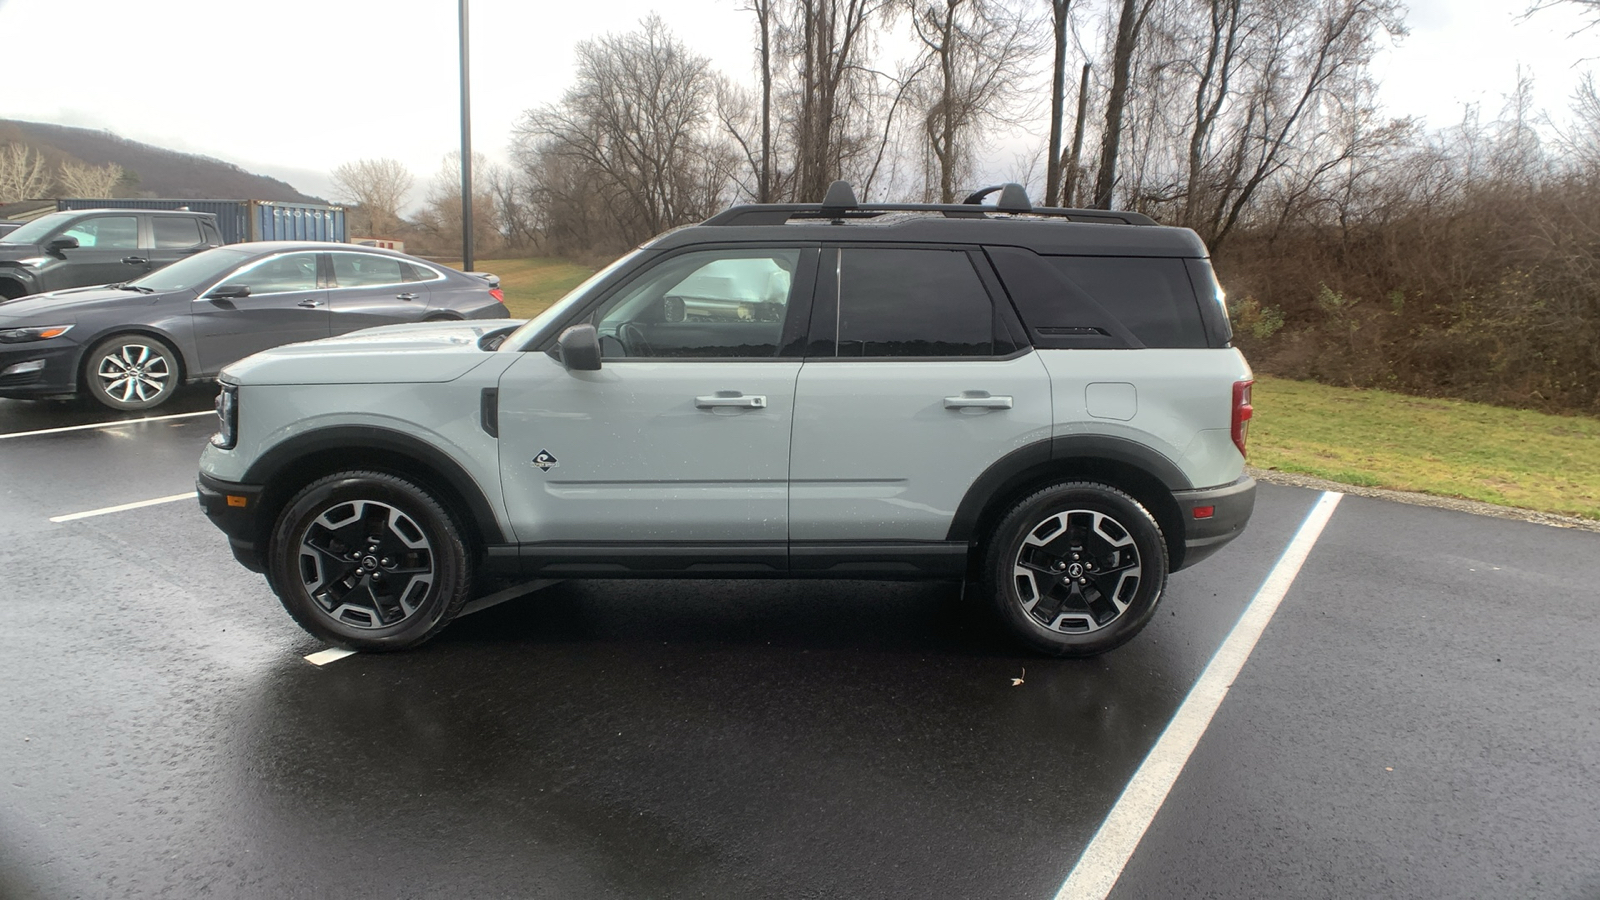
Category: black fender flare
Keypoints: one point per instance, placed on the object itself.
(1013, 470)
(351, 439)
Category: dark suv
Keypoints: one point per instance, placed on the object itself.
(98, 246)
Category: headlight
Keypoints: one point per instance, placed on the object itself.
(40, 333)
(227, 417)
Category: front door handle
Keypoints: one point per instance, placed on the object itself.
(405, 296)
(731, 400)
(135, 260)
(977, 400)
(309, 303)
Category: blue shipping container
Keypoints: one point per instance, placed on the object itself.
(243, 220)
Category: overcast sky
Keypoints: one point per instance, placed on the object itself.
(292, 88)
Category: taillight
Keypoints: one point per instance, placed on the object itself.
(1242, 411)
(497, 294)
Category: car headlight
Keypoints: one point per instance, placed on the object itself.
(37, 333)
(227, 417)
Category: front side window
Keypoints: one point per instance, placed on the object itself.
(106, 233)
(709, 303)
(927, 303)
(176, 233)
(279, 274)
(364, 270)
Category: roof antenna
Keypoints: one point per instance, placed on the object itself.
(840, 197)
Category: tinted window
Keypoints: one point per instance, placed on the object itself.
(912, 303)
(362, 270)
(712, 303)
(106, 233)
(290, 272)
(176, 233)
(1151, 297)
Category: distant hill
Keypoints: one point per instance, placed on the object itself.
(156, 172)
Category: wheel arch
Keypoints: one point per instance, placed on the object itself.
(186, 366)
(1142, 473)
(8, 292)
(291, 465)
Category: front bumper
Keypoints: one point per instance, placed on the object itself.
(233, 509)
(58, 377)
(1231, 506)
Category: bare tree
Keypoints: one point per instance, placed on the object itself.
(82, 180)
(827, 44)
(1129, 23)
(379, 187)
(632, 142)
(978, 55)
(23, 175)
(1060, 26)
(440, 217)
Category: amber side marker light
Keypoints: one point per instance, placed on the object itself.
(236, 500)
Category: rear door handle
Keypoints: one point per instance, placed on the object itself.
(405, 296)
(135, 260)
(977, 400)
(731, 400)
(309, 303)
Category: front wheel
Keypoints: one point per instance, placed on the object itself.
(132, 371)
(370, 561)
(1076, 569)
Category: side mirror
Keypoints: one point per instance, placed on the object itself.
(579, 347)
(62, 243)
(672, 309)
(229, 292)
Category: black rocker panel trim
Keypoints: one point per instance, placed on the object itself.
(1010, 469)
(355, 438)
(878, 559)
(632, 559)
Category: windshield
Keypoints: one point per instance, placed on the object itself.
(194, 271)
(34, 232)
(516, 339)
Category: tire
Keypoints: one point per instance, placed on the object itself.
(1032, 569)
(131, 371)
(369, 561)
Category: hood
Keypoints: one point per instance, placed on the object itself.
(74, 302)
(20, 251)
(392, 354)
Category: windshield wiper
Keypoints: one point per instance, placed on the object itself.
(124, 286)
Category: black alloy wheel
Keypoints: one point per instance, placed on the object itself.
(1076, 569)
(369, 560)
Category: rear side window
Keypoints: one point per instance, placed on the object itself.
(176, 233)
(1151, 297)
(362, 270)
(912, 303)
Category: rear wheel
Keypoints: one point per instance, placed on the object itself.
(132, 371)
(370, 561)
(1076, 569)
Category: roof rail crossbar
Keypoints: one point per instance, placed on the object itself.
(840, 203)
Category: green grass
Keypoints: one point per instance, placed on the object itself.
(531, 285)
(1452, 448)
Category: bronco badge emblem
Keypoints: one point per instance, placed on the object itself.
(545, 460)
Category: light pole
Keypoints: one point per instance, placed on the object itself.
(466, 147)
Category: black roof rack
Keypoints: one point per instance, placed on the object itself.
(839, 205)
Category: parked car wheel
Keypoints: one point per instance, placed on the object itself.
(132, 371)
(1076, 569)
(369, 560)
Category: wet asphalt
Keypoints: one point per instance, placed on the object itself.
(1420, 719)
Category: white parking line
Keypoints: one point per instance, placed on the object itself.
(72, 517)
(1108, 852)
(332, 654)
(124, 422)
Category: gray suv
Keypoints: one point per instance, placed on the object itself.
(98, 246)
(1041, 402)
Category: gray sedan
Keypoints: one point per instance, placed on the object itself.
(130, 345)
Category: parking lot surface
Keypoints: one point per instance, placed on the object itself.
(1419, 719)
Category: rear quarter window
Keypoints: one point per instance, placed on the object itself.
(1151, 297)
